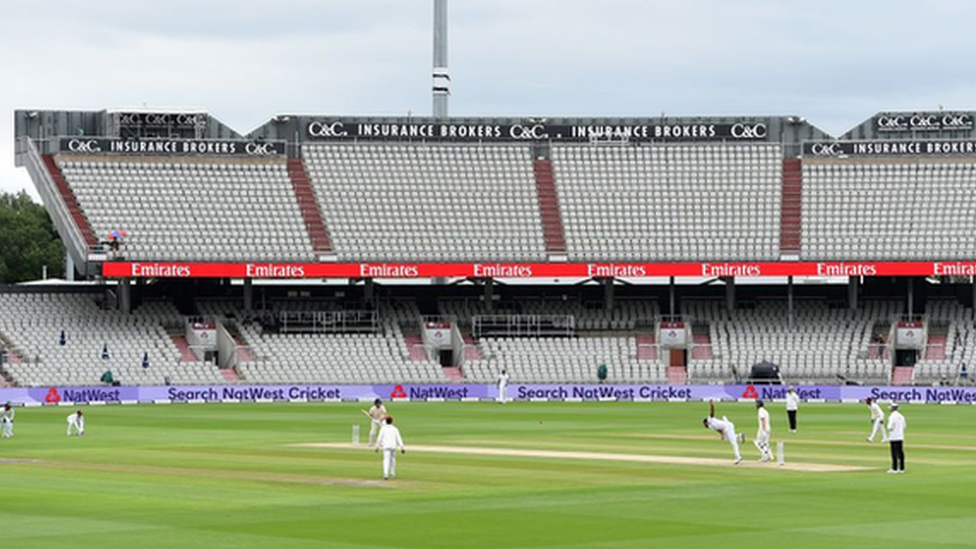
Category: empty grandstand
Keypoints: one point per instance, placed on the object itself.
(417, 202)
(670, 203)
(71, 339)
(563, 250)
(897, 209)
(211, 211)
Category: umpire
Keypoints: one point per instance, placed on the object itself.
(896, 436)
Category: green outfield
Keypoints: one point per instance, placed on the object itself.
(232, 476)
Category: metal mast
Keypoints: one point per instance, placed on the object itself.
(441, 80)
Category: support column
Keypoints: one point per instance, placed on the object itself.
(911, 297)
(248, 294)
(490, 294)
(671, 299)
(789, 300)
(972, 281)
(369, 290)
(852, 289)
(69, 266)
(730, 294)
(125, 295)
(608, 291)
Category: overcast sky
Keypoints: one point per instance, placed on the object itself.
(834, 62)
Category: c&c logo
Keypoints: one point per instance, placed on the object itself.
(749, 131)
(326, 129)
(84, 146)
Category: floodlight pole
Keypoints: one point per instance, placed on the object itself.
(441, 78)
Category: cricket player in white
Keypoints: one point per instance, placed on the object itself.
(376, 415)
(502, 386)
(762, 436)
(877, 420)
(896, 438)
(7, 421)
(389, 442)
(76, 421)
(725, 429)
(792, 405)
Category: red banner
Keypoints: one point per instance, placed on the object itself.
(153, 269)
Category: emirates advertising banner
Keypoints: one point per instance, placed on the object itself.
(58, 395)
(157, 269)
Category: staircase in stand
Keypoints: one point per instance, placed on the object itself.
(415, 346)
(791, 210)
(552, 220)
(309, 206)
(186, 354)
(702, 349)
(677, 375)
(936, 348)
(452, 374)
(243, 351)
(70, 200)
(230, 375)
(646, 349)
(471, 350)
(902, 375)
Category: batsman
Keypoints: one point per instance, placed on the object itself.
(376, 414)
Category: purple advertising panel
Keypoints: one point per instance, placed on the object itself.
(569, 392)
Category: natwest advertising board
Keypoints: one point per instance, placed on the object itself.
(59, 395)
(150, 269)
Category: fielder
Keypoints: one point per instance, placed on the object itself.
(376, 414)
(762, 436)
(389, 441)
(725, 429)
(7, 421)
(503, 386)
(76, 421)
(877, 419)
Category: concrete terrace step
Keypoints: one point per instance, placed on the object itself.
(70, 200)
(415, 345)
(677, 375)
(471, 349)
(646, 350)
(702, 350)
(552, 225)
(186, 355)
(308, 205)
(936, 349)
(452, 374)
(902, 375)
(791, 207)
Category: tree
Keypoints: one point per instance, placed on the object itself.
(28, 240)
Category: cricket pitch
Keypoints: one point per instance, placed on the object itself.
(599, 456)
